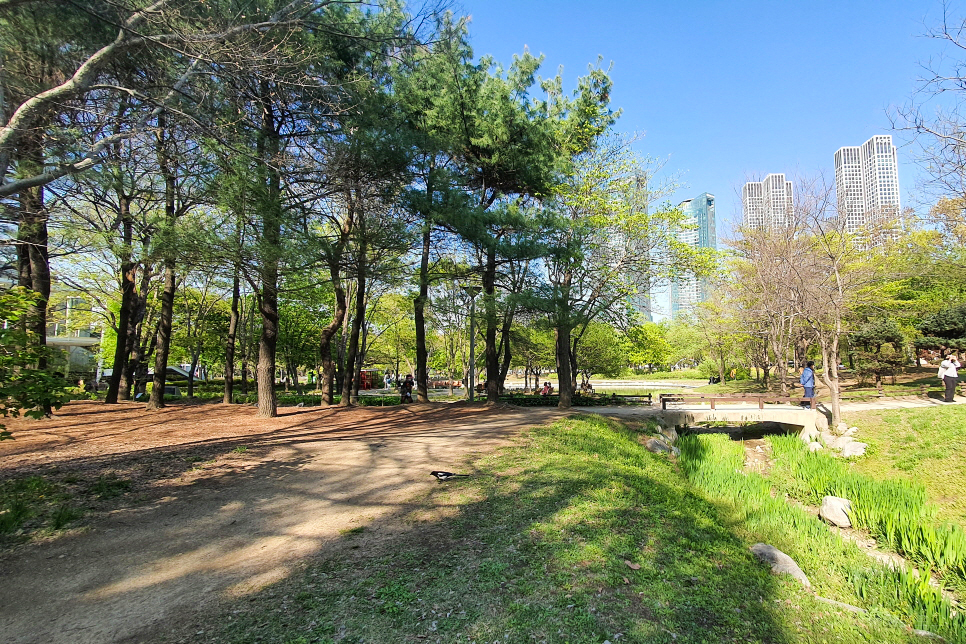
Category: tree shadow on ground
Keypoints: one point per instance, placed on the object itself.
(576, 537)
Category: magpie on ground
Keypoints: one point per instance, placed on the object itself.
(445, 476)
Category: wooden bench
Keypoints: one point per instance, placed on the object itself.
(646, 399)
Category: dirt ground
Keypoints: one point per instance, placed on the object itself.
(221, 504)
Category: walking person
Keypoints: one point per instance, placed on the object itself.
(950, 376)
(807, 381)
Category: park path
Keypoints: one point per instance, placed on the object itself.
(141, 572)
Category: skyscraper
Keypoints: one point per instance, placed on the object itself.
(700, 233)
(767, 203)
(867, 182)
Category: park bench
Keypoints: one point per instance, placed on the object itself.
(761, 399)
(643, 399)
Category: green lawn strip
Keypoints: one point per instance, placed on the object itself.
(923, 445)
(534, 548)
(33, 506)
(894, 511)
(837, 569)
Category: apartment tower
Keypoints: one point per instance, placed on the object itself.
(867, 182)
(767, 203)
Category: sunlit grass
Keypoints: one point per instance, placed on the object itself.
(574, 535)
(923, 445)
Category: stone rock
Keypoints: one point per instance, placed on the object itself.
(841, 428)
(842, 442)
(927, 634)
(780, 562)
(851, 431)
(814, 447)
(670, 434)
(657, 445)
(835, 510)
(854, 448)
(827, 437)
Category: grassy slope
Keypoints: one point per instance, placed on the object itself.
(533, 548)
(924, 445)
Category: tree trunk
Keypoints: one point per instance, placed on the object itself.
(126, 312)
(507, 354)
(830, 375)
(419, 317)
(325, 345)
(228, 396)
(351, 376)
(246, 346)
(268, 149)
(492, 358)
(564, 374)
(32, 239)
(163, 340)
(195, 355)
(562, 352)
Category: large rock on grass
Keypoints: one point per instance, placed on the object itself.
(835, 510)
(660, 446)
(670, 434)
(855, 448)
(781, 564)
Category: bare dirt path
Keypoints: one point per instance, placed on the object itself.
(228, 503)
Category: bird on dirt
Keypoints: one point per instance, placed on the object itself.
(445, 476)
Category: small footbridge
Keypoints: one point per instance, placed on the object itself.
(677, 410)
(794, 414)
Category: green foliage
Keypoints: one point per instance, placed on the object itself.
(291, 400)
(601, 351)
(34, 500)
(944, 330)
(536, 400)
(24, 388)
(648, 345)
(948, 323)
(879, 348)
(714, 464)
(894, 511)
(108, 486)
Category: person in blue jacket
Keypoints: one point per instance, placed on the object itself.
(808, 381)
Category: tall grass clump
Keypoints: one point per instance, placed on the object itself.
(894, 511)
(713, 463)
(932, 612)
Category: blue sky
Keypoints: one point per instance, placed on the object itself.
(730, 89)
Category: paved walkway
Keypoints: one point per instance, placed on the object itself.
(898, 403)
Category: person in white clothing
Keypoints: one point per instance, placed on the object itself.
(950, 376)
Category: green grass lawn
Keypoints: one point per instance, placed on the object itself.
(575, 534)
(923, 445)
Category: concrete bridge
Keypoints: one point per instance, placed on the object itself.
(807, 423)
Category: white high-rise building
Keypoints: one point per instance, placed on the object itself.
(767, 203)
(867, 182)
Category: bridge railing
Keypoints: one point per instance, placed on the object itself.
(761, 399)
